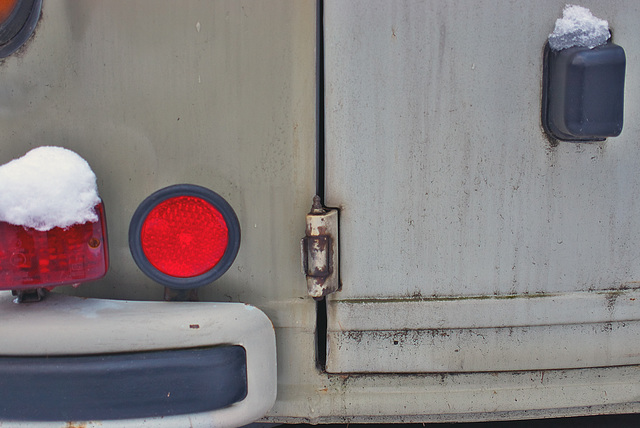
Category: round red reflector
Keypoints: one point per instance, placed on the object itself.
(184, 236)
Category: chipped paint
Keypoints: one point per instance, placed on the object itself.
(319, 250)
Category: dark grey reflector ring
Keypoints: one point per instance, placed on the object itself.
(122, 386)
(182, 283)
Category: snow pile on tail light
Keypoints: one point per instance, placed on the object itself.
(46, 188)
(578, 27)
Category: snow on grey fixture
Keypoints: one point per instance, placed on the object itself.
(583, 79)
(48, 187)
(578, 27)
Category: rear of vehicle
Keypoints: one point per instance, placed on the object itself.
(462, 262)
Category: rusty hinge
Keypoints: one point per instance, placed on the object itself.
(320, 250)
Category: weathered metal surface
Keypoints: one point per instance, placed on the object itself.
(222, 94)
(468, 334)
(319, 251)
(153, 93)
(433, 118)
(485, 349)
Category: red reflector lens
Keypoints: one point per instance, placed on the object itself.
(184, 236)
(33, 259)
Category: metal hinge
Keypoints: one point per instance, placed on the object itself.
(319, 250)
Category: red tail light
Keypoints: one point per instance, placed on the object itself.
(18, 19)
(184, 236)
(33, 259)
(6, 7)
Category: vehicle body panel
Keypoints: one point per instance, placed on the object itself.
(471, 241)
(432, 134)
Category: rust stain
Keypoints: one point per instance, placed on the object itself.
(318, 254)
(319, 248)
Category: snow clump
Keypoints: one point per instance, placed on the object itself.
(46, 188)
(578, 27)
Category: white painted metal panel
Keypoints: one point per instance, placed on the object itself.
(449, 188)
(110, 80)
(154, 93)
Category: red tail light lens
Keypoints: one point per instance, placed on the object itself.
(6, 7)
(33, 259)
(184, 236)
